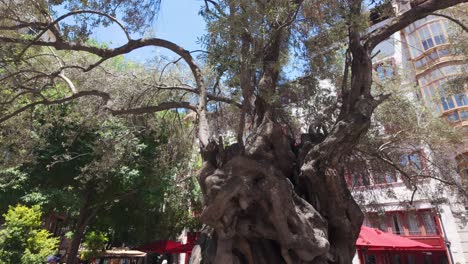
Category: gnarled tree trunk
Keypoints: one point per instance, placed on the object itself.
(261, 213)
(277, 203)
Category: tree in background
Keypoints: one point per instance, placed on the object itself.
(103, 172)
(22, 239)
(264, 199)
(415, 143)
(93, 244)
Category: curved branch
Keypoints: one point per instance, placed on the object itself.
(454, 20)
(398, 23)
(152, 109)
(106, 98)
(103, 95)
(69, 83)
(106, 53)
(72, 13)
(23, 25)
(211, 97)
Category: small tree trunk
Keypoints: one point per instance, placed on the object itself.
(86, 213)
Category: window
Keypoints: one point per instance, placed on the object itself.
(413, 160)
(413, 224)
(433, 56)
(427, 259)
(426, 38)
(444, 52)
(396, 225)
(447, 103)
(385, 177)
(366, 222)
(414, 45)
(411, 259)
(461, 99)
(390, 177)
(384, 70)
(383, 173)
(464, 115)
(429, 223)
(378, 221)
(453, 117)
(383, 226)
(432, 35)
(357, 174)
(438, 33)
(358, 179)
(396, 259)
(371, 259)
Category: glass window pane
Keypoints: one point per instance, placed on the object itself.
(433, 55)
(413, 224)
(371, 259)
(396, 259)
(436, 28)
(444, 103)
(453, 117)
(396, 225)
(439, 39)
(404, 160)
(461, 99)
(430, 43)
(451, 104)
(429, 223)
(390, 177)
(464, 115)
(367, 222)
(418, 64)
(415, 160)
(425, 45)
(443, 52)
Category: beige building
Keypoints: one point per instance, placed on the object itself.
(422, 54)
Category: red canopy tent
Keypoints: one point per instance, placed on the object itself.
(377, 239)
(376, 246)
(166, 246)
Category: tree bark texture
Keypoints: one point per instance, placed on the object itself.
(279, 203)
(276, 204)
(86, 214)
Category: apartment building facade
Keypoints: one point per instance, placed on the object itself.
(422, 54)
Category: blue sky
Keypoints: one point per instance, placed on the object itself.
(178, 21)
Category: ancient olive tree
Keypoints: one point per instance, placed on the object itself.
(265, 200)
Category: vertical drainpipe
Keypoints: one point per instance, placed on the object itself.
(446, 241)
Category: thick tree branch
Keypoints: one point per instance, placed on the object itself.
(398, 23)
(106, 99)
(106, 53)
(73, 13)
(152, 109)
(103, 95)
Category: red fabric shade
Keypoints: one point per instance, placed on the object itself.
(161, 247)
(374, 238)
(167, 246)
(184, 248)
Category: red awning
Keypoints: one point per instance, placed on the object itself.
(167, 246)
(184, 248)
(374, 238)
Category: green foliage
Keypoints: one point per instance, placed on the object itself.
(94, 243)
(22, 240)
(129, 172)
